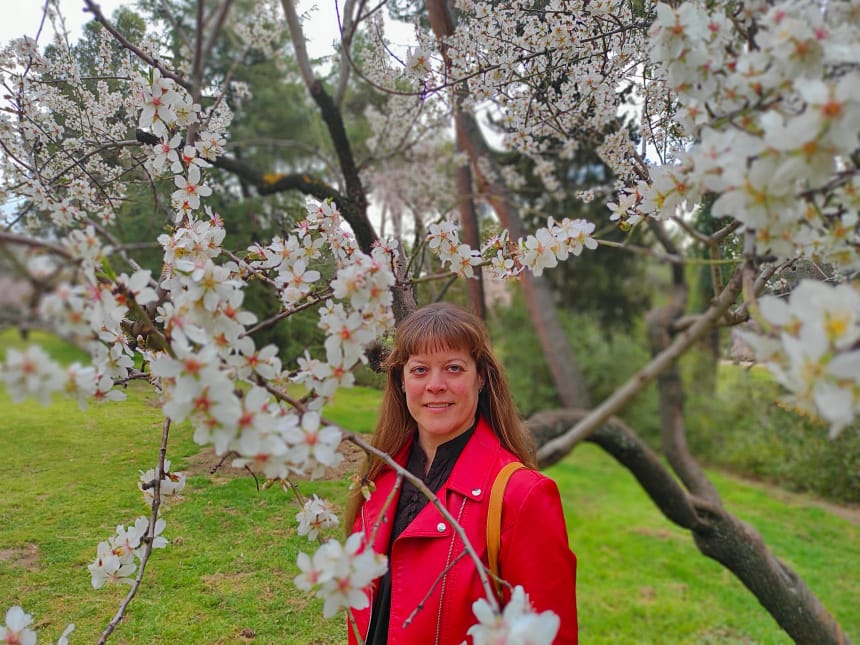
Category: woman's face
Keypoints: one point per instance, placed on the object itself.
(441, 393)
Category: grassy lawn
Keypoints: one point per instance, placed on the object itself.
(69, 478)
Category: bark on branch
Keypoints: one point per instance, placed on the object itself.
(717, 533)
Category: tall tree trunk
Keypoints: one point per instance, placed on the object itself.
(471, 231)
(354, 206)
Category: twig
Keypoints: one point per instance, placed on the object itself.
(94, 9)
(148, 540)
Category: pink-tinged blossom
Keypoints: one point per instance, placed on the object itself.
(170, 489)
(815, 357)
(16, 631)
(346, 331)
(312, 448)
(86, 245)
(190, 188)
(164, 153)
(210, 145)
(418, 62)
(264, 450)
(538, 251)
(116, 558)
(31, 373)
(264, 362)
(139, 286)
(186, 159)
(295, 281)
(109, 568)
(105, 390)
(159, 105)
(316, 515)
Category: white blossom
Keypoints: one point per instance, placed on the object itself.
(517, 625)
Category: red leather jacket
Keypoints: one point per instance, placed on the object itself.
(534, 548)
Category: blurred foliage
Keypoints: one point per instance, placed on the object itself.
(606, 283)
(607, 359)
(747, 429)
(740, 425)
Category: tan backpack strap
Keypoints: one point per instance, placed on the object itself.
(494, 520)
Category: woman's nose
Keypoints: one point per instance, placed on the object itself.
(436, 382)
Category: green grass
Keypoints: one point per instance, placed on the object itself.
(69, 478)
(642, 580)
(59, 350)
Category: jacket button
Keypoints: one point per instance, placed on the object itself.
(476, 492)
(441, 527)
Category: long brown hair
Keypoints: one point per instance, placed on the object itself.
(434, 327)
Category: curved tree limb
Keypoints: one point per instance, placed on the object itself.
(717, 533)
(333, 118)
(621, 442)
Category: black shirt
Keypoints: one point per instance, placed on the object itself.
(409, 505)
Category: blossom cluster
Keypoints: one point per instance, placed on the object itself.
(812, 349)
(206, 327)
(518, 624)
(16, 630)
(774, 126)
(187, 329)
(316, 514)
(755, 108)
(33, 373)
(170, 486)
(543, 249)
(338, 573)
(116, 558)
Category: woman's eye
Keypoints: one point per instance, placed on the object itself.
(455, 368)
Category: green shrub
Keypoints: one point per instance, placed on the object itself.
(606, 359)
(745, 428)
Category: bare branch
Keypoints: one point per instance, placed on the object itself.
(148, 540)
(93, 8)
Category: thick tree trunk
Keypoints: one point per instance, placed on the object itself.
(716, 532)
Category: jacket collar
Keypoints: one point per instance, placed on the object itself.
(474, 468)
(472, 473)
(471, 478)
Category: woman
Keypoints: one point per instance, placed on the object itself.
(447, 415)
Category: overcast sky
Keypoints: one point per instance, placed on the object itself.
(27, 14)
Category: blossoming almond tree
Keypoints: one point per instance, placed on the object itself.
(749, 109)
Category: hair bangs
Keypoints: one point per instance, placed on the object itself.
(434, 330)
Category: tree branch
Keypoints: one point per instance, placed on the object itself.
(150, 536)
(556, 449)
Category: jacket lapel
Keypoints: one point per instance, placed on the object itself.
(469, 479)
